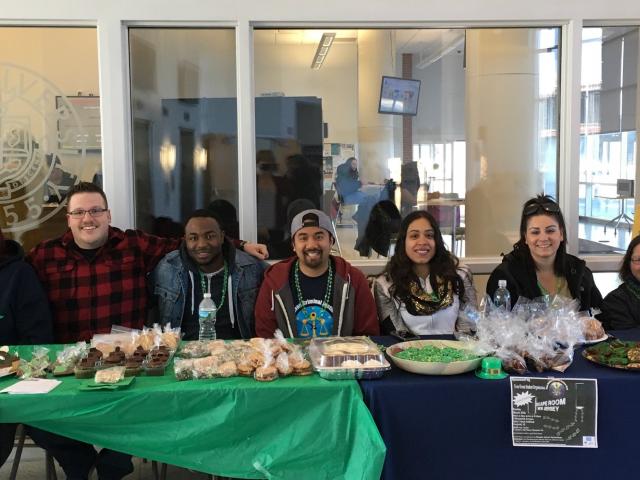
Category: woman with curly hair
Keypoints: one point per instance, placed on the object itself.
(423, 286)
(539, 263)
(621, 307)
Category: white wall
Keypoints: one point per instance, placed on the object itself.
(441, 105)
(286, 69)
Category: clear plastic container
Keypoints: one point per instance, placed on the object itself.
(344, 358)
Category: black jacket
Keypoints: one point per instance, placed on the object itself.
(521, 280)
(621, 308)
(25, 317)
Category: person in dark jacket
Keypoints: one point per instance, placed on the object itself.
(207, 261)
(621, 307)
(539, 263)
(25, 318)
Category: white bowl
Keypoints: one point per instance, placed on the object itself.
(432, 368)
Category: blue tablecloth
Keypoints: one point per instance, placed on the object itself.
(459, 427)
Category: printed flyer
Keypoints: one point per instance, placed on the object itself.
(554, 412)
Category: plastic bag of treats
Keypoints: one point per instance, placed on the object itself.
(110, 375)
(193, 349)
(216, 347)
(299, 364)
(512, 362)
(268, 371)
(183, 368)
(67, 359)
(147, 337)
(37, 366)
(205, 367)
(285, 345)
(170, 337)
(282, 364)
(228, 368)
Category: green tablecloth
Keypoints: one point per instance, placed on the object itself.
(295, 427)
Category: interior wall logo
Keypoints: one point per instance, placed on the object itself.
(30, 109)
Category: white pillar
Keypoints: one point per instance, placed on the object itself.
(502, 136)
(375, 131)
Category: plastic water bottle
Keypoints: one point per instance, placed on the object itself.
(502, 297)
(207, 313)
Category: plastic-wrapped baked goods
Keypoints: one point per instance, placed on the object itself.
(266, 374)
(183, 368)
(339, 358)
(302, 367)
(86, 368)
(155, 367)
(593, 329)
(8, 362)
(132, 368)
(194, 350)
(110, 375)
(115, 358)
(228, 369)
(245, 368)
(282, 364)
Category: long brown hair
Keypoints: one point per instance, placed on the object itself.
(399, 269)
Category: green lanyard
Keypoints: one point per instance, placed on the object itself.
(224, 284)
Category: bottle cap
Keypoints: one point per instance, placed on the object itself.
(207, 295)
(502, 283)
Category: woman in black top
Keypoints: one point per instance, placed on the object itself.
(539, 263)
(621, 307)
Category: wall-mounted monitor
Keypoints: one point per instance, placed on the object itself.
(399, 96)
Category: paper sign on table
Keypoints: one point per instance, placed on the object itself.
(35, 385)
(554, 412)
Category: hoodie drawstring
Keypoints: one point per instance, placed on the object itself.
(193, 295)
(230, 302)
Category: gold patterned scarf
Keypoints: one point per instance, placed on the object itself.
(420, 302)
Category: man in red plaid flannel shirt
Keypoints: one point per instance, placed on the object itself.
(95, 274)
(95, 277)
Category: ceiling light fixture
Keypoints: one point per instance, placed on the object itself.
(322, 50)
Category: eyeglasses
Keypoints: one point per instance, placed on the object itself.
(93, 212)
(635, 260)
(549, 207)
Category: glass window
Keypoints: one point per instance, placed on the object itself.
(342, 124)
(49, 126)
(608, 146)
(183, 102)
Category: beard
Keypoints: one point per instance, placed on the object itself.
(314, 261)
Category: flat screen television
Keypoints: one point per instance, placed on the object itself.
(399, 96)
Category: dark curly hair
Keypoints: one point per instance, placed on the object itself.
(625, 266)
(542, 205)
(399, 269)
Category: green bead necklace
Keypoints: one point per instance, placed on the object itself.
(327, 293)
(224, 285)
